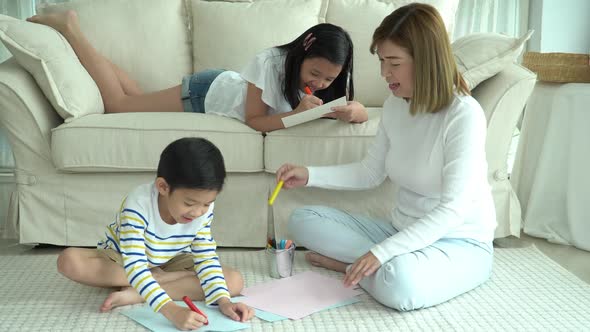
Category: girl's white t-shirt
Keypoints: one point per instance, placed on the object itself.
(227, 93)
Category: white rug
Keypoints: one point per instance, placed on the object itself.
(527, 292)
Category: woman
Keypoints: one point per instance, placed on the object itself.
(437, 243)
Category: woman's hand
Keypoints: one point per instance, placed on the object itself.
(293, 176)
(308, 102)
(353, 112)
(236, 311)
(362, 267)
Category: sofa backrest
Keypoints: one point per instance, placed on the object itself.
(159, 41)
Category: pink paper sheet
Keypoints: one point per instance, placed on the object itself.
(298, 296)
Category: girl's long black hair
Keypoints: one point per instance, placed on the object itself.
(331, 43)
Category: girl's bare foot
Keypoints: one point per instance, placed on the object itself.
(64, 22)
(126, 296)
(316, 259)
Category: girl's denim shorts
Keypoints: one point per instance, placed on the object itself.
(194, 89)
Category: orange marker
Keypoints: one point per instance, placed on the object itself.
(194, 308)
(307, 90)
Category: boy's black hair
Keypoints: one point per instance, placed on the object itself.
(192, 163)
(331, 43)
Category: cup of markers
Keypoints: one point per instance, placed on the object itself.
(280, 255)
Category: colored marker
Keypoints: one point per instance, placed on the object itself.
(307, 90)
(194, 308)
(271, 200)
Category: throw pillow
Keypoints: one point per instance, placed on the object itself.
(48, 56)
(480, 56)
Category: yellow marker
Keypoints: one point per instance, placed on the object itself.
(275, 192)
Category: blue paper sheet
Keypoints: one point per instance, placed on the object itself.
(157, 322)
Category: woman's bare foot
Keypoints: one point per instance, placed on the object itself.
(63, 22)
(316, 259)
(126, 296)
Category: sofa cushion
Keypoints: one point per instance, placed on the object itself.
(360, 19)
(132, 142)
(228, 34)
(150, 41)
(480, 56)
(49, 58)
(320, 142)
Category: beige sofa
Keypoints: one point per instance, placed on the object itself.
(71, 176)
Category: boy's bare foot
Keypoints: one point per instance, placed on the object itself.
(126, 296)
(63, 22)
(316, 259)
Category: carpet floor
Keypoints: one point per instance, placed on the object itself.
(527, 292)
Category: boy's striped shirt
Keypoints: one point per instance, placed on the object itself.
(146, 241)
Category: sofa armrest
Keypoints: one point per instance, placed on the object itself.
(27, 117)
(503, 98)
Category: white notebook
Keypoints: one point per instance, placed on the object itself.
(312, 114)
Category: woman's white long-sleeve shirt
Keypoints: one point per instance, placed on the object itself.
(439, 163)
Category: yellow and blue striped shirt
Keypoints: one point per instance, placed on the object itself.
(145, 241)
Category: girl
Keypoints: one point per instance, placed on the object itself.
(437, 243)
(271, 86)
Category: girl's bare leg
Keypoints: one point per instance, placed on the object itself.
(188, 285)
(114, 97)
(130, 87)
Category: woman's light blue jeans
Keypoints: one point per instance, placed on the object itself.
(420, 279)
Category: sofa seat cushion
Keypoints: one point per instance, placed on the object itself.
(132, 142)
(320, 142)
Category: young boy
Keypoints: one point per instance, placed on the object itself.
(160, 246)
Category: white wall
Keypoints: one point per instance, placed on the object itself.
(560, 26)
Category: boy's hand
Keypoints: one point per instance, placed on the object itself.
(236, 311)
(183, 318)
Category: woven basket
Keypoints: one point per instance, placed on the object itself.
(559, 67)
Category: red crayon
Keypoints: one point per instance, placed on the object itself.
(194, 308)
(307, 90)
